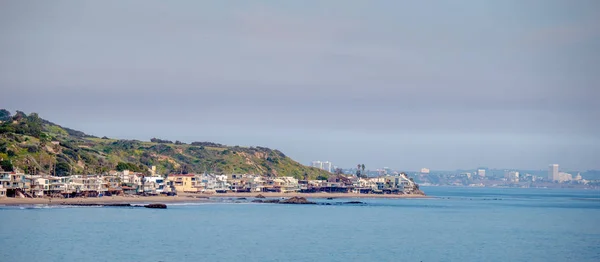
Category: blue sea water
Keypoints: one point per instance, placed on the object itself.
(457, 224)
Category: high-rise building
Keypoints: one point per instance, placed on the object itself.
(322, 165)
(553, 174)
(513, 176)
(481, 172)
(562, 177)
(317, 164)
(327, 166)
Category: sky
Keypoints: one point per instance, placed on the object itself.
(400, 84)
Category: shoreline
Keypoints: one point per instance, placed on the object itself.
(320, 195)
(188, 198)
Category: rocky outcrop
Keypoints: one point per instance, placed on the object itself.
(353, 202)
(157, 205)
(297, 201)
(260, 196)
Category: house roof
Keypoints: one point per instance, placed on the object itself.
(184, 175)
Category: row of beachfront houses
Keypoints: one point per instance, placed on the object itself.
(130, 183)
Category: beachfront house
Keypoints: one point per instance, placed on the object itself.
(114, 185)
(40, 186)
(154, 185)
(207, 183)
(5, 181)
(282, 184)
(222, 185)
(12, 180)
(15, 183)
(290, 185)
(257, 184)
(58, 185)
(237, 185)
(184, 183)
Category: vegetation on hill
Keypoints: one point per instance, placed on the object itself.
(35, 145)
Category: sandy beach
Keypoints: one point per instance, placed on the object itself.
(185, 198)
(99, 200)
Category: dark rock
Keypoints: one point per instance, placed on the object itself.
(260, 196)
(296, 201)
(353, 202)
(241, 198)
(330, 198)
(161, 206)
(117, 205)
(257, 201)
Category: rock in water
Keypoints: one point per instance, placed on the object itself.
(353, 202)
(260, 196)
(162, 206)
(296, 200)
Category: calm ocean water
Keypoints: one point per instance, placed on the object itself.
(461, 224)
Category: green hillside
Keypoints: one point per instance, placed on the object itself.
(28, 143)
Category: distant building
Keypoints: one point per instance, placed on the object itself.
(563, 177)
(424, 170)
(326, 165)
(184, 182)
(481, 172)
(513, 176)
(317, 164)
(553, 174)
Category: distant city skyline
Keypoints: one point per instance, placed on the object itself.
(449, 85)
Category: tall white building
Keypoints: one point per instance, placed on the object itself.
(481, 172)
(513, 176)
(562, 177)
(553, 174)
(326, 165)
(317, 164)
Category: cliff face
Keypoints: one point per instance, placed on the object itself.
(35, 145)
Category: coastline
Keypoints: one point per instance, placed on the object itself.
(310, 195)
(98, 200)
(187, 198)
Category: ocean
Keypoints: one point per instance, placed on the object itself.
(456, 224)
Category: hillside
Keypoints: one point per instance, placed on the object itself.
(35, 145)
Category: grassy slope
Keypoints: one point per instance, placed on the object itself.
(78, 153)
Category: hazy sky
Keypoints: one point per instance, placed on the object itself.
(403, 84)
